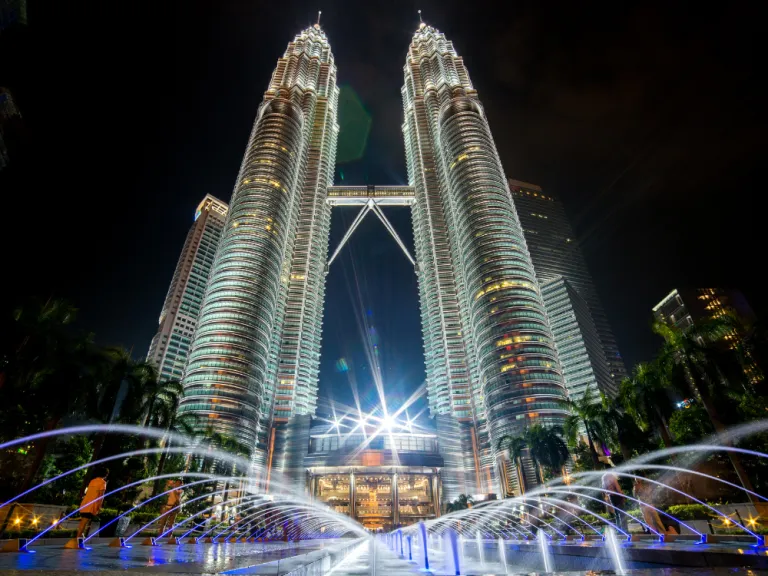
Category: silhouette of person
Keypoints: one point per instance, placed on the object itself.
(92, 502)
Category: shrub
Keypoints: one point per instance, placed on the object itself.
(690, 512)
(143, 517)
(635, 513)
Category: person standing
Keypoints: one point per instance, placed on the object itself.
(614, 496)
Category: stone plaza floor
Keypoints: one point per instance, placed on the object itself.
(164, 559)
(306, 558)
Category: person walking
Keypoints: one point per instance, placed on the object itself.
(93, 501)
(171, 508)
(644, 492)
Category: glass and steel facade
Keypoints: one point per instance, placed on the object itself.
(555, 252)
(685, 307)
(490, 360)
(383, 481)
(577, 342)
(266, 289)
(170, 346)
(489, 352)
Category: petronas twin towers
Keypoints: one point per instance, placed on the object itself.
(490, 359)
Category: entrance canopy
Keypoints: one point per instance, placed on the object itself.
(371, 199)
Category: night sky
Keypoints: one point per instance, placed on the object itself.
(647, 120)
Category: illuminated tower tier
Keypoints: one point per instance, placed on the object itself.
(170, 346)
(266, 288)
(488, 346)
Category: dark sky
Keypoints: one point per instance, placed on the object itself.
(647, 119)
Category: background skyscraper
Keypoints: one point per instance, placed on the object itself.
(487, 342)
(686, 307)
(252, 319)
(170, 346)
(555, 252)
(578, 345)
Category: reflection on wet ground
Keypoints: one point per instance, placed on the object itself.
(165, 559)
(307, 558)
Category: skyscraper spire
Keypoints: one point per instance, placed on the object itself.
(319, 13)
(489, 351)
(267, 283)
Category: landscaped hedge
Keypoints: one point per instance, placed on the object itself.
(635, 513)
(690, 512)
(143, 517)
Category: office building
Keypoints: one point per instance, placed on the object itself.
(555, 252)
(578, 344)
(170, 346)
(381, 478)
(257, 344)
(489, 352)
(490, 359)
(684, 308)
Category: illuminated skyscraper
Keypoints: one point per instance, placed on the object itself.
(555, 252)
(578, 345)
(489, 352)
(266, 290)
(490, 359)
(688, 306)
(170, 346)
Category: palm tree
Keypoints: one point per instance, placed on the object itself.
(46, 374)
(173, 423)
(515, 445)
(218, 441)
(620, 426)
(585, 412)
(546, 449)
(644, 397)
(120, 394)
(463, 502)
(123, 381)
(158, 394)
(696, 360)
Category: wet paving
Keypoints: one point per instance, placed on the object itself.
(308, 558)
(373, 558)
(165, 559)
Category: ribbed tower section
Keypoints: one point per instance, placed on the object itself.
(230, 379)
(479, 275)
(445, 351)
(298, 358)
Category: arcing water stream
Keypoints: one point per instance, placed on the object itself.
(535, 531)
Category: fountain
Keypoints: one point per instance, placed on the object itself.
(503, 554)
(546, 553)
(424, 544)
(453, 545)
(480, 554)
(241, 495)
(410, 548)
(614, 547)
(557, 510)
